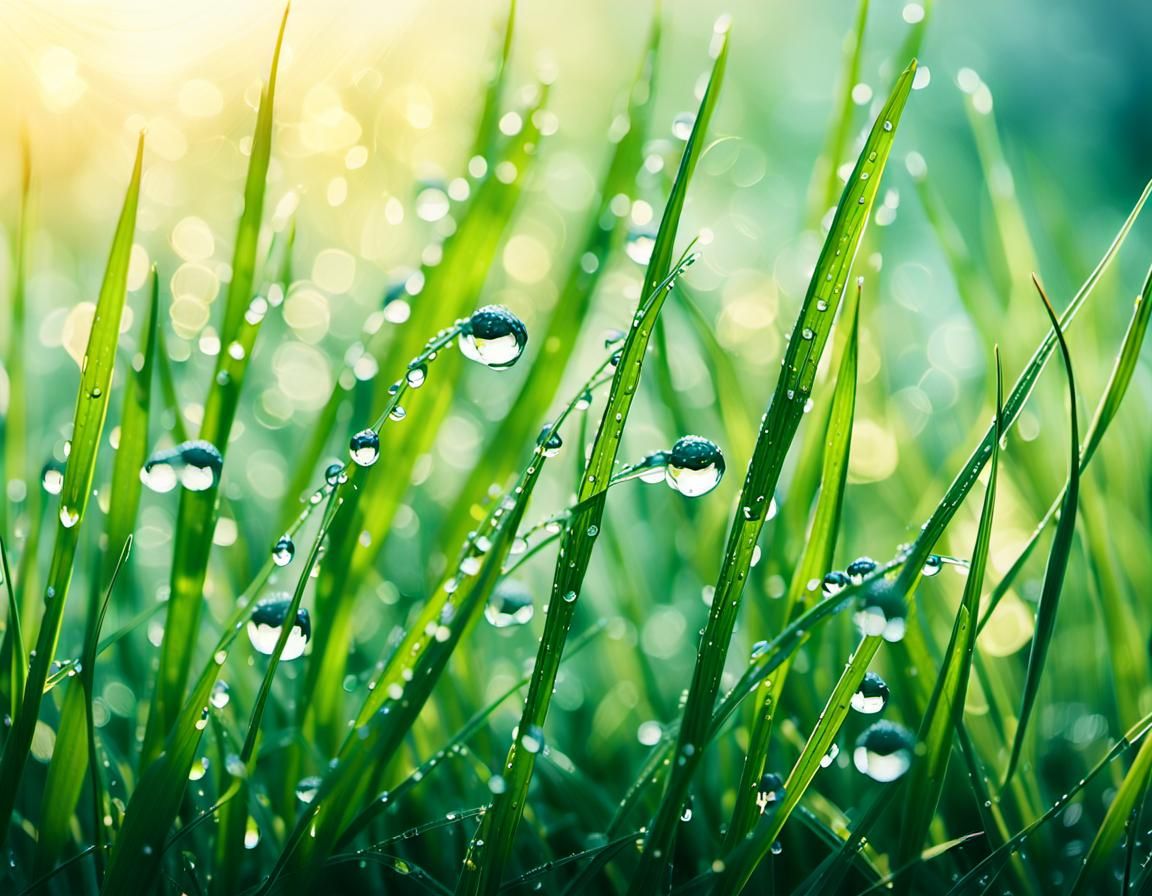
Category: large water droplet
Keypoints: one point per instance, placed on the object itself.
(195, 465)
(770, 791)
(307, 788)
(882, 612)
(695, 466)
(510, 605)
(52, 477)
(364, 447)
(283, 551)
(932, 566)
(859, 568)
(884, 751)
(493, 336)
(871, 696)
(267, 621)
(834, 583)
(335, 475)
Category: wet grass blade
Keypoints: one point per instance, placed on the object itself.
(15, 653)
(815, 561)
(809, 337)
(1057, 558)
(945, 710)
(492, 845)
(87, 431)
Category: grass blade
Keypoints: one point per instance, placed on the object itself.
(87, 432)
(945, 710)
(15, 461)
(1057, 557)
(491, 847)
(809, 337)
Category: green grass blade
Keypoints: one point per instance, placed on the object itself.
(87, 432)
(168, 388)
(945, 708)
(815, 561)
(777, 430)
(15, 461)
(491, 847)
(488, 128)
(1057, 559)
(14, 652)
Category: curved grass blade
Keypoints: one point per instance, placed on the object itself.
(1109, 405)
(492, 845)
(87, 432)
(488, 128)
(814, 562)
(945, 710)
(1057, 557)
(14, 652)
(777, 430)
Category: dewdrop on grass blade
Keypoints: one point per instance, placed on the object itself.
(195, 465)
(695, 466)
(283, 551)
(510, 605)
(834, 583)
(493, 336)
(884, 751)
(267, 621)
(52, 477)
(859, 568)
(364, 447)
(882, 612)
(871, 696)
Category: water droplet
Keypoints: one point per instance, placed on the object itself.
(283, 551)
(267, 621)
(550, 442)
(884, 751)
(882, 612)
(682, 125)
(770, 791)
(416, 376)
(52, 477)
(493, 336)
(469, 566)
(828, 758)
(510, 604)
(932, 566)
(397, 414)
(887, 125)
(69, 516)
(569, 596)
(335, 474)
(195, 465)
(307, 788)
(695, 466)
(871, 696)
(220, 695)
(859, 568)
(364, 447)
(584, 401)
(639, 246)
(497, 784)
(834, 583)
(532, 740)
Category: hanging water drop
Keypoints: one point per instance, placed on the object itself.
(267, 621)
(882, 612)
(510, 604)
(493, 336)
(397, 414)
(195, 465)
(640, 244)
(859, 568)
(52, 477)
(682, 125)
(532, 740)
(884, 751)
(364, 447)
(283, 551)
(834, 583)
(828, 758)
(416, 376)
(932, 566)
(695, 466)
(871, 696)
(770, 791)
(307, 788)
(549, 441)
(69, 516)
(220, 695)
(335, 475)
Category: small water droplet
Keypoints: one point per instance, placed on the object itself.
(283, 551)
(416, 376)
(307, 788)
(52, 477)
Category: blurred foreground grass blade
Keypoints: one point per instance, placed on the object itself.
(492, 845)
(740, 864)
(74, 743)
(488, 128)
(1093, 873)
(196, 516)
(15, 460)
(1057, 557)
(87, 431)
(809, 337)
(1106, 410)
(556, 346)
(945, 710)
(814, 562)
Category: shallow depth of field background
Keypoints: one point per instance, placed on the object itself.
(375, 112)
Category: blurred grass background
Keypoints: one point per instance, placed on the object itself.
(1030, 123)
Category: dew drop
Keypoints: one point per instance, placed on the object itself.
(283, 551)
(52, 477)
(695, 466)
(871, 696)
(267, 621)
(884, 751)
(307, 788)
(364, 447)
(493, 336)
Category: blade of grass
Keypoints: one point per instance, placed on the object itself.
(1057, 557)
(87, 431)
(809, 337)
(945, 710)
(814, 562)
(16, 654)
(15, 461)
(196, 516)
(492, 845)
